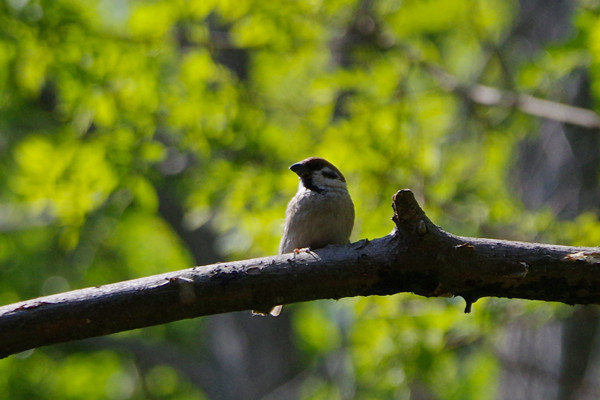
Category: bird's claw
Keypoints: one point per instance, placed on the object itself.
(302, 250)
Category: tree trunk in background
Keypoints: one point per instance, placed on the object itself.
(247, 357)
(579, 330)
(558, 168)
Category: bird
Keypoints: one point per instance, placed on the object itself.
(321, 213)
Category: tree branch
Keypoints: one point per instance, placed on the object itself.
(416, 257)
(552, 110)
(491, 96)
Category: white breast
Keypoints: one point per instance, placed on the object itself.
(317, 219)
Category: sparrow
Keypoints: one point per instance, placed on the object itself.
(321, 212)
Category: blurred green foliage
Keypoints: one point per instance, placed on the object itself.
(107, 107)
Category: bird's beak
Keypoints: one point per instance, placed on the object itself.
(300, 169)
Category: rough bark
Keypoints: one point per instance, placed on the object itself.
(416, 257)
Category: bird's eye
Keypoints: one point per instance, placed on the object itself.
(329, 174)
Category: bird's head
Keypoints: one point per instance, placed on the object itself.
(319, 175)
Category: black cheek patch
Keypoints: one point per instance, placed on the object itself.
(308, 183)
